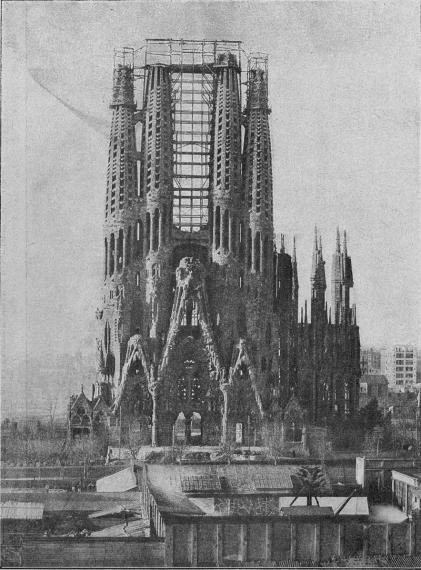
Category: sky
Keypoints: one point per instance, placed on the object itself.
(344, 125)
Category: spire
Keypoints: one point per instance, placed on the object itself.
(305, 312)
(318, 277)
(337, 280)
(330, 315)
(345, 248)
(302, 320)
(295, 285)
(282, 243)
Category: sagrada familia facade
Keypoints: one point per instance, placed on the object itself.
(199, 309)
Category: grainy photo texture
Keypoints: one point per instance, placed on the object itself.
(210, 271)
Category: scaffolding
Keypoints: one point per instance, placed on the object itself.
(192, 65)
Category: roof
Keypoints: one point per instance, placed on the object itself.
(16, 510)
(414, 474)
(135, 528)
(305, 511)
(355, 506)
(69, 501)
(226, 478)
(374, 379)
(124, 480)
(226, 490)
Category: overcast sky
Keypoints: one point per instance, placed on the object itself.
(344, 97)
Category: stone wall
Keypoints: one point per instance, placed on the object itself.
(216, 543)
(92, 552)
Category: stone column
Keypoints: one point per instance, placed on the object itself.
(230, 248)
(219, 545)
(268, 542)
(293, 551)
(154, 441)
(152, 232)
(193, 544)
(188, 421)
(224, 435)
(253, 251)
(110, 256)
(316, 550)
(243, 543)
(160, 231)
(116, 242)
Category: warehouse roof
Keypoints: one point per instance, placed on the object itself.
(69, 501)
(15, 510)
(224, 490)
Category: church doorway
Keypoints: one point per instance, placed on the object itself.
(196, 429)
(188, 430)
(179, 430)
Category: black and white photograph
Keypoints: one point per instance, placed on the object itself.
(210, 276)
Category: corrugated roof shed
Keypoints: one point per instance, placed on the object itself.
(229, 478)
(78, 501)
(136, 528)
(14, 510)
(355, 506)
(121, 481)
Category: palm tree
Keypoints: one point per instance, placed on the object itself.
(312, 481)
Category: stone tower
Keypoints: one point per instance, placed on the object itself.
(198, 319)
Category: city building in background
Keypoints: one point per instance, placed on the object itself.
(370, 361)
(374, 387)
(198, 320)
(399, 365)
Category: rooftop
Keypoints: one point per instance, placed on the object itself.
(17, 510)
(68, 501)
(249, 490)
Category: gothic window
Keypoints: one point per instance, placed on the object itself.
(257, 253)
(191, 314)
(234, 236)
(182, 389)
(107, 337)
(139, 239)
(112, 248)
(106, 257)
(148, 232)
(163, 224)
(137, 279)
(268, 334)
(265, 254)
(86, 420)
(249, 248)
(128, 244)
(241, 242)
(120, 250)
(155, 230)
(195, 390)
(217, 227)
(225, 232)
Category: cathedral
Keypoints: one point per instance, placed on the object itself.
(198, 320)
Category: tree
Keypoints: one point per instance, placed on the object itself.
(370, 416)
(274, 440)
(312, 481)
